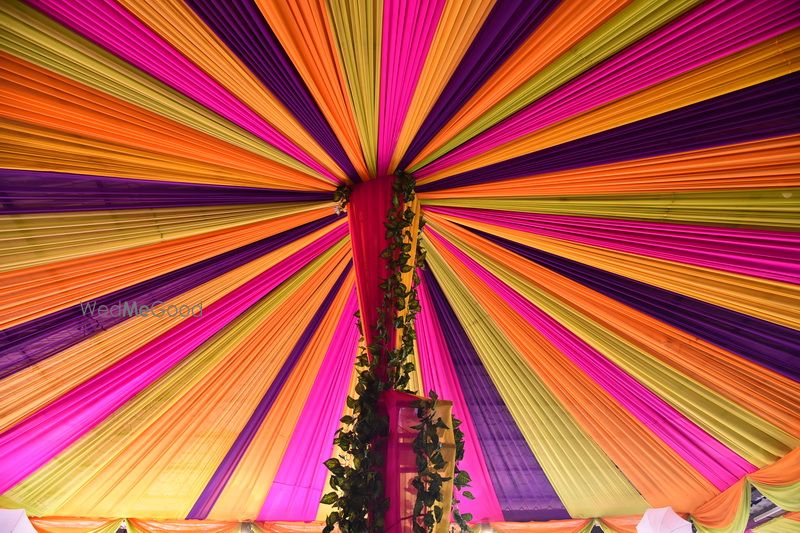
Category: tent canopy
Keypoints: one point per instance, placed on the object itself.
(611, 292)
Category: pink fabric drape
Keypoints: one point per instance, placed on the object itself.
(762, 253)
(713, 31)
(111, 26)
(369, 203)
(43, 435)
(439, 374)
(717, 463)
(408, 29)
(299, 483)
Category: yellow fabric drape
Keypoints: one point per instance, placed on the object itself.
(176, 23)
(30, 35)
(35, 239)
(263, 457)
(757, 64)
(595, 485)
(458, 25)
(303, 28)
(357, 28)
(771, 300)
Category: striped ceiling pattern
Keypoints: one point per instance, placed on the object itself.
(611, 298)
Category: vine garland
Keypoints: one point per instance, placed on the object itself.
(358, 496)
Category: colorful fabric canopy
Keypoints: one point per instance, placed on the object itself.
(612, 292)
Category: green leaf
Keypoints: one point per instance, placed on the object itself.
(330, 464)
(329, 498)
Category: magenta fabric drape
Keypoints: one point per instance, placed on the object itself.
(438, 373)
(717, 463)
(763, 253)
(43, 435)
(300, 481)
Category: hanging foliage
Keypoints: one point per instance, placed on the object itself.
(358, 488)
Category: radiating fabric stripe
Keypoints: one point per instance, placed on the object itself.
(116, 29)
(746, 406)
(770, 109)
(304, 30)
(768, 254)
(43, 435)
(225, 470)
(356, 34)
(34, 96)
(459, 24)
(408, 29)
(714, 461)
(115, 467)
(28, 191)
(439, 374)
(241, 26)
(752, 165)
(548, 49)
(31, 342)
(299, 483)
(762, 342)
(713, 31)
(39, 290)
(522, 488)
(505, 29)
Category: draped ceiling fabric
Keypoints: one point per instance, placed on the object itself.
(611, 299)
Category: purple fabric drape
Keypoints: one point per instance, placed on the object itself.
(521, 485)
(508, 25)
(228, 465)
(767, 344)
(769, 109)
(717, 29)
(768, 254)
(28, 191)
(242, 27)
(31, 342)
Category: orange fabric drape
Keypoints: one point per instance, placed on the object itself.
(753, 165)
(45, 99)
(571, 21)
(621, 524)
(168, 526)
(67, 524)
(303, 28)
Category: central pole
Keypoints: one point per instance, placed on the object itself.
(369, 203)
